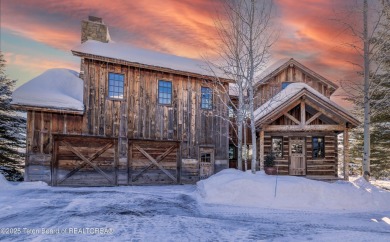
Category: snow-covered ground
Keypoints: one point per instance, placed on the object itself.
(183, 213)
(233, 187)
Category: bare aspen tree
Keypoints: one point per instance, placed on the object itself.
(245, 38)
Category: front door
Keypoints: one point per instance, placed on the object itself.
(297, 156)
(206, 163)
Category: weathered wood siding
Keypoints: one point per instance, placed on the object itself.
(291, 74)
(41, 126)
(137, 116)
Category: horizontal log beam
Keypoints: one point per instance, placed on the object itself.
(325, 127)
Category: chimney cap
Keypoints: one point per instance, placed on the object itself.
(95, 19)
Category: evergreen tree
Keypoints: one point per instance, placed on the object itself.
(12, 130)
(380, 99)
(379, 103)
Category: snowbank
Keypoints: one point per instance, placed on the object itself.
(234, 187)
(55, 88)
(3, 182)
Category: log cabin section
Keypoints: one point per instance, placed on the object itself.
(151, 119)
(298, 122)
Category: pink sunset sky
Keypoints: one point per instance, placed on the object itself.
(38, 34)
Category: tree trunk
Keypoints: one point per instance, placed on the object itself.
(366, 155)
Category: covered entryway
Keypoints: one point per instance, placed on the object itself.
(84, 161)
(153, 162)
(297, 156)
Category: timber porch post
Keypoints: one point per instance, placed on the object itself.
(261, 148)
(346, 153)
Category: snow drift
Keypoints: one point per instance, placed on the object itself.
(3, 182)
(233, 187)
(55, 88)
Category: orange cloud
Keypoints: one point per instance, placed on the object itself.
(184, 28)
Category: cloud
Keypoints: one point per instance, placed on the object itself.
(308, 32)
(179, 27)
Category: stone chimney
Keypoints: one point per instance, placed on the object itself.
(94, 29)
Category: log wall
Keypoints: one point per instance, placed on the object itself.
(326, 166)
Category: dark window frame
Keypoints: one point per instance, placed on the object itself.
(234, 148)
(313, 147)
(160, 91)
(115, 90)
(209, 95)
(281, 150)
(205, 157)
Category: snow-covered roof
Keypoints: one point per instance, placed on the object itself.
(57, 88)
(134, 54)
(272, 68)
(281, 64)
(285, 96)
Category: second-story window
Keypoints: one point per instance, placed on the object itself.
(115, 85)
(164, 92)
(207, 98)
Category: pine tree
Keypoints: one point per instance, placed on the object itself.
(379, 96)
(380, 99)
(12, 130)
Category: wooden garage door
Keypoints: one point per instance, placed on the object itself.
(84, 161)
(153, 162)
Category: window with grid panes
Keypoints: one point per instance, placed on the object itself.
(164, 92)
(115, 85)
(206, 98)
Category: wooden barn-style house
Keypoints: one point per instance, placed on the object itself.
(142, 118)
(133, 116)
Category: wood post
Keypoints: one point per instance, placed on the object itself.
(261, 148)
(346, 154)
(303, 113)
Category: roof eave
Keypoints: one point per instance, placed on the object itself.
(150, 67)
(24, 107)
(346, 116)
(304, 68)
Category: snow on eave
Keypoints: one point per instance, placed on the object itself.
(146, 58)
(49, 109)
(281, 64)
(291, 92)
(55, 90)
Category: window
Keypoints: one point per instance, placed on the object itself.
(285, 84)
(277, 146)
(318, 147)
(115, 85)
(205, 157)
(232, 152)
(164, 92)
(207, 98)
